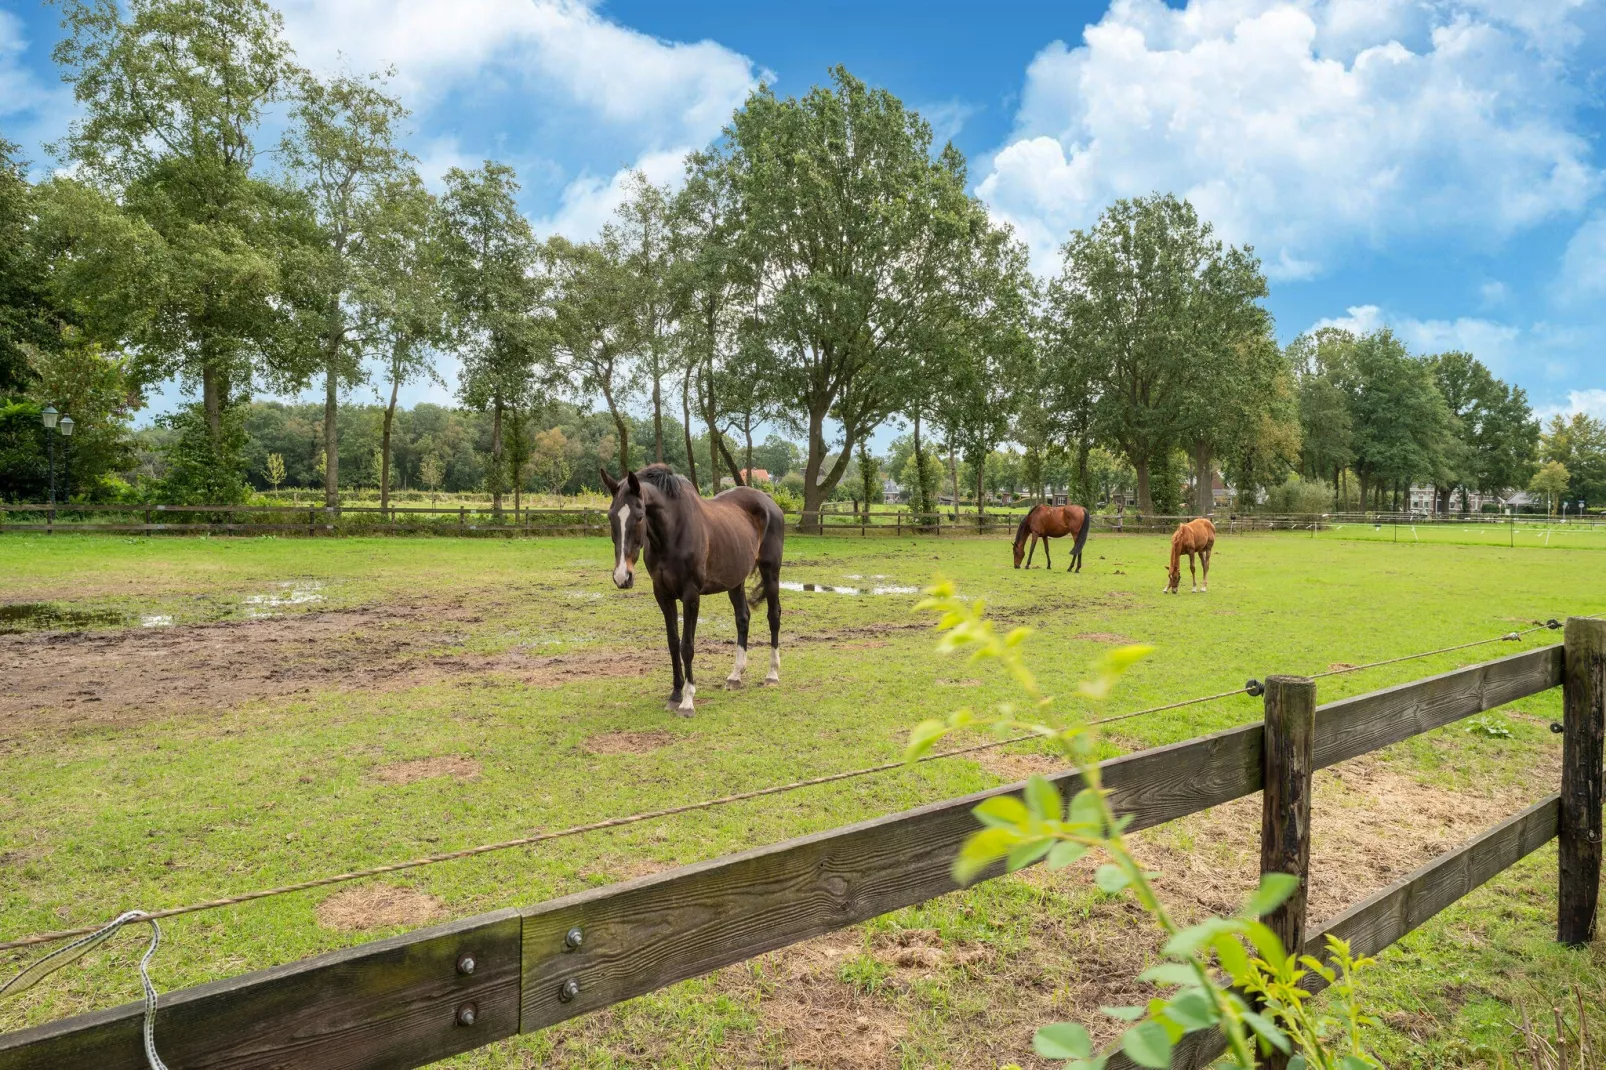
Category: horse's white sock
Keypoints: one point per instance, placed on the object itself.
(741, 666)
(686, 699)
(775, 666)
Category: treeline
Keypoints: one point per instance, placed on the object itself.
(822, 269)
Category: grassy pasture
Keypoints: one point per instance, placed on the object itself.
(248, 712)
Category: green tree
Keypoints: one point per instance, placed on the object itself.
(1144, 296)
(341, 153)
(1578, 443)
(172, 93)
(1493, 435)
(30, 316)
(1552, 481)
(489, 264)
(642, 228)
(1400, 420)
(275, 470)
(848, 226)
(1321, 363)
(595, 325)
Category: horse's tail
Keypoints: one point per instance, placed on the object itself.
(1081, 535)
(759, 594)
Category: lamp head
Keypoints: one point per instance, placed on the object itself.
(49, 415)
(66, 427)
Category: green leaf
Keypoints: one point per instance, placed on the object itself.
(1043, 798)
(1126, 1014)
(1088, 1064)
(1191, 939)
(1111, 878)
(1086, 809)
(1349, 1062)
(1298, 1063)
(1192, 1010)
(1267, 1030)
(1023, 855)
(1268, 943)
(1002, 811)
(1274, 890)
(1064, 853)
(1148, 1044)
(1067, 1040)
(923, 737)
(1170, 973)
(1234, 959)
(980, 851)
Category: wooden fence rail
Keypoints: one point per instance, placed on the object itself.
(412, 999)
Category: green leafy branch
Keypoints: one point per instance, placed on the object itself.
(1255, 999)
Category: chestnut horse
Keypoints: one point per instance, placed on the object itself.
(696, 546)
(1193, 537)
(1052, 522)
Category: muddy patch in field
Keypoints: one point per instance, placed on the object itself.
(378, 906)
(823, 1021)
(17, 618)
(628, 742)
(416, 769)
(60, 680)
(1102, 637)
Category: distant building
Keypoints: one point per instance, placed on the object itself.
(756, 475)
(891, 492)
(1424, 499)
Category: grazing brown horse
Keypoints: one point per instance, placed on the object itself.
(1193, 537)
(696, 546)
(1052, 522)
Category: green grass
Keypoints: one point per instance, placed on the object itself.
(172, 808)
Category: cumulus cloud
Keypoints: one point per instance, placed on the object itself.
(1583, 265)
(1498, 345)
(1302, 126)
(590, 200)
(1591, 402)
(667, 92)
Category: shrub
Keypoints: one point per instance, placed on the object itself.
(1300, 496)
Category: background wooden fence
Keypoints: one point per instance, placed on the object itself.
(483, 521)
(413, 999)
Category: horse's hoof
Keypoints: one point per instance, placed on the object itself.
(733, 684)
(681, 711)
(770, 681)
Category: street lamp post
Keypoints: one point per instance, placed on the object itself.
(48, 416)
(66, 458)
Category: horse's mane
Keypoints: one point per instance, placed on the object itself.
(664, 478)
(1020, 532)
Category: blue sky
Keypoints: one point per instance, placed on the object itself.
(1434, 166)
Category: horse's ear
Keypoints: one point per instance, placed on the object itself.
(608, 481)
(635, 484)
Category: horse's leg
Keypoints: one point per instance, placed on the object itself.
(772, 598)
(1048, 562)
(744, 614)
(671, 625)
(1193, 576)
(1031, 549)
(688, 647)
(1205, 557)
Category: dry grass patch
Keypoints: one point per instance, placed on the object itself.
(417, 769)
(629, 742)
(378, 906)
(1016, 766)
(1102, 637)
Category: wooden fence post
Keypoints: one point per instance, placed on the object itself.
(1582, 744)
(1285, 804)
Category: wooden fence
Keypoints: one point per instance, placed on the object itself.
(413, 999)
(483, 521)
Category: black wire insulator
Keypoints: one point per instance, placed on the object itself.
(1552, 624)
(1555, 726)
(1255, 688)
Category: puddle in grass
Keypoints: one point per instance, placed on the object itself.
(19, 617)
(823, 588)
(288, 593)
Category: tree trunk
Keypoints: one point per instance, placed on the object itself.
(1083, 491)
(1360, 477)
(384, 449)
(685, 426)
(1145, 501)
(331, 439)
(657, 411)
(212, 390)
(747, 435)
(515, 458)
(953, 475)
(1204, 497)
(624, 431)
(981, 476)
(815, 487)
(496, 457)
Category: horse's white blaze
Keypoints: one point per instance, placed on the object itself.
(775, 665)
(740, 667)
(621, 572)
(686, 697)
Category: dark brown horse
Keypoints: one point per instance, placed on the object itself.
(696, 546)
(1052, 522)
(1191, 537)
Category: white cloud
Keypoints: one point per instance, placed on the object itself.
(590, 200)
(1301, 126)
(19, 91)
(1583, 265)
(667, 92)
(1591, 402)
(1498, 345)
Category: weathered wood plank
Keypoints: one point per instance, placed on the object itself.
(1290, 730)
(386, 1005)
(1582, 750)
(1351, 727)
(1385, 917)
